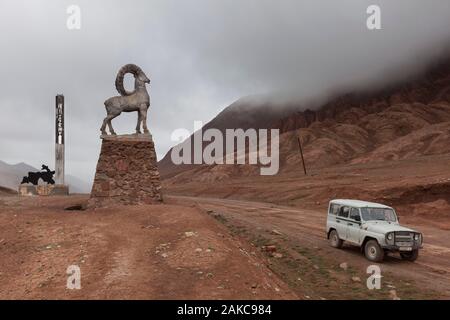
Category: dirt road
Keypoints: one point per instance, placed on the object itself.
(177, 251)
(126, 252)
(304, 231)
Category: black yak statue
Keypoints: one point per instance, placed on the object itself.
(45, 174)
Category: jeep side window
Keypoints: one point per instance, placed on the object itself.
(344, 212)
(372, 214)
(334, 208)
(354, 214)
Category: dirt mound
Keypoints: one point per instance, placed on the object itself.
(419, 194)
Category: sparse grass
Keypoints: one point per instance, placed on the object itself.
(311, 273)
(219, 217)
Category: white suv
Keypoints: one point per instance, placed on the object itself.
(372, 226)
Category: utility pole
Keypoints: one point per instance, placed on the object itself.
(301, 151)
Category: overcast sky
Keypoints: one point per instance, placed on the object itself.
(201, 55)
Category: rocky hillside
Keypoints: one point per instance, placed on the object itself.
(403, 121)
(245, 113)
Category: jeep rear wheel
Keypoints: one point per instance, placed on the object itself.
(373, 251)
(410, 256)
(335, 242)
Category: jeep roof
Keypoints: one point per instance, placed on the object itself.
(359, 203)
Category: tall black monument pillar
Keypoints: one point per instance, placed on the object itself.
(59, 140)
(60, 185)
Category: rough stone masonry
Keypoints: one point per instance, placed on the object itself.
(127, 172)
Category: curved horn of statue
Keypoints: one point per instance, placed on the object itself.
(137, 100)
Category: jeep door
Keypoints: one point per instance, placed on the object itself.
(341, 222)
(354, 226)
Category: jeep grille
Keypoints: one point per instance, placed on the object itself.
(403, 238)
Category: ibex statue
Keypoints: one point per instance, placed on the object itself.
(138, 100)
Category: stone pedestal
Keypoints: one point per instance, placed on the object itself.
(127, 172)
(43, 190)
(60, 190)
(27, 190)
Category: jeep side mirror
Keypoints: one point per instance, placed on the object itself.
(358, 218)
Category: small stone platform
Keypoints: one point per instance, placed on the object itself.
(43, 190)
(127, 172)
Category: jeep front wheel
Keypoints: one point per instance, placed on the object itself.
(335, 242)
(410, 256)
(373, 251)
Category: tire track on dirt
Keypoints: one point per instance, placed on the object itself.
(307, 227)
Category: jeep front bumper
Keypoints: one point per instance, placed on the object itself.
(408, 248)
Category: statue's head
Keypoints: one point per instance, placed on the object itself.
(142, 77)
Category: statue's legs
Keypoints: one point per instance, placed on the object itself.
(111, 130)
(139, 120)
(144, 118)
(103, 128)
(107, 121)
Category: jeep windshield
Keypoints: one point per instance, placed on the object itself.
(378, 214)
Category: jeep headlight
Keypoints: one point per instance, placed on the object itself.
(390, 238)
(417, 237)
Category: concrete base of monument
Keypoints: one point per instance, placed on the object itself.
(60, 190)
(127, 172)
(43, 190)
